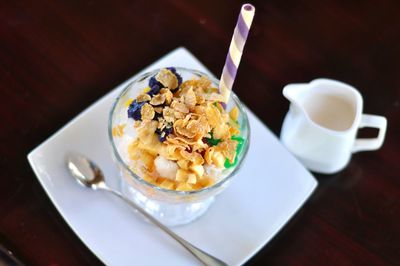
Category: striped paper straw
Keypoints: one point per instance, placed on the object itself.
(236, 50)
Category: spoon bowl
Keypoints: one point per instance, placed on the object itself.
(86, 172)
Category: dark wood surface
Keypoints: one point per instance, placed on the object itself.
(57, 57)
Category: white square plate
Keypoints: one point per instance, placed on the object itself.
(271, 186)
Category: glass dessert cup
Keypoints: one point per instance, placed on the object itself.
(171, 207)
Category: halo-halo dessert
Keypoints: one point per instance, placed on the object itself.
(176, 143)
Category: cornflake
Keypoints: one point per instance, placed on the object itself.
(190, 98)
(157, 99)
(168, 95)
(147, 112)
(179, 115)
(143, 98)
(158, 110)
(180, 107)
(167, 78)
(169, 114)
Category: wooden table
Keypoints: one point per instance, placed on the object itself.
(57, 57)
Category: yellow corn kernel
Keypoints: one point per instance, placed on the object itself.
(167, 184)
(205, 182)
(128, 102)
(192, 179)
(146, 90)
(218, 159)
(118, 130)
(197, 169)
(147, 159)
(181, 175)
(184, 164)
(234, 113)
(182, 186)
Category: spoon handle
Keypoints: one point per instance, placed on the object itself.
(204, 257)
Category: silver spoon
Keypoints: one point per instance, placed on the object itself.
(88, 174)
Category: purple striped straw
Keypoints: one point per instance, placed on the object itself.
(236, 50)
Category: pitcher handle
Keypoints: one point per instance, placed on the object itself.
(373, 121)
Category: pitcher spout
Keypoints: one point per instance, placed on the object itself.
(295, 93)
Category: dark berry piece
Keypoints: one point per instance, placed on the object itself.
(172, 69)
(179, 77)
(168, 130)
(155, 89)
(134, 110)
(157, 115)
(153, 81)
(155, 86)
(160, 138)
(163, 134)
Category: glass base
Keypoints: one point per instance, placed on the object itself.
(170, 214)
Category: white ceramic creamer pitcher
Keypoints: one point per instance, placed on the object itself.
(321, 126)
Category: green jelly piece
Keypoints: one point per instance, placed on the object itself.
(212, 141)
(228, 164)
(239, 149)
(238, 139)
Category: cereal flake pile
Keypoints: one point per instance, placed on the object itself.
(185, 138)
